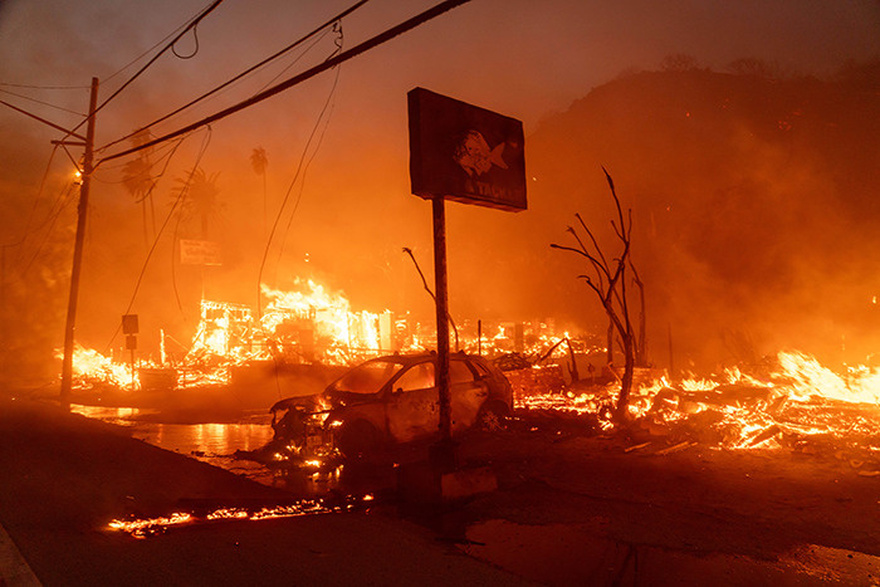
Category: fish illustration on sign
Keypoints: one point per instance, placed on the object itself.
(465, 153)
(474, 155)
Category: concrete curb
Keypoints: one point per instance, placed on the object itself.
(14, 570)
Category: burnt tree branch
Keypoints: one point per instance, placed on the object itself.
(608, 281)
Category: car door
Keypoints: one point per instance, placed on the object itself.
(468, 393)
(412, 408)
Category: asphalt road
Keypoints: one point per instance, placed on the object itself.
(65, 478)
(570, 508)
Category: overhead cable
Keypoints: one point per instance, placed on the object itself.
(170, 45)
(23, 97)
(249, 70)
(34, 87)
(301, 169)
(182, 27)
(379, 39)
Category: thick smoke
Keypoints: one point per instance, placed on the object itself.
(753, 206)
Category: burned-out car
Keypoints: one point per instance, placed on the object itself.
(390, 400)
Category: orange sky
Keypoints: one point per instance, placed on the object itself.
(351, 212)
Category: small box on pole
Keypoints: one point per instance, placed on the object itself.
(129, 324)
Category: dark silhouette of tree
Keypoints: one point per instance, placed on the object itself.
(607, 278)
(259, 161)
(201, 197)
(753, 66)
(138, 180)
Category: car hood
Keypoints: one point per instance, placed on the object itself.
(327, 400)
(311, 403)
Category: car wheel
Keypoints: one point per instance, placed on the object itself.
(493, 417)
(358, 440)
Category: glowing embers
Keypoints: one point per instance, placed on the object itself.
(796, 404)
(147, 527)
(314, 325)
(141, 528)
(91, 369)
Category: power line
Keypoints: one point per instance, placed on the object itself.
(301, 168)
(251, 69)
(137, 74)
(33, 87)
(297, 79)
(180, 197)
(23, 97)
(177, 202)
(44, 121)
(151, 49)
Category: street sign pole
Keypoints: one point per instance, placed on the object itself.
(441, 292)
(466, 154)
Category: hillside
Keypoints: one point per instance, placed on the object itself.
(754, 202)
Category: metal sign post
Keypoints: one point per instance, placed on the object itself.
(471, 155)
(442, 295)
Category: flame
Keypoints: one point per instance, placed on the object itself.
(798, 400)
(140, 528)
(310, 324)
(807, 378)
(143, 528)
(91, 368)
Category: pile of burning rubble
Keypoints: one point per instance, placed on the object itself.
(792, 403)
(795, 404)
(308, 325)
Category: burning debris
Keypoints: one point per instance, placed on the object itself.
(148, 527)
(309, 325)
(796, 404)
(799, 406)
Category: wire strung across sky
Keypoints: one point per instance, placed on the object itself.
(301, 169)
(249, 70)
(371, 43)
(137, 74)
(44, 103)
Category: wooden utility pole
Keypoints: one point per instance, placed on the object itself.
(82, 209)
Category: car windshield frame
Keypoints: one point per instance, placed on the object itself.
(368, 378)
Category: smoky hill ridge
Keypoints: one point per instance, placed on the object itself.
(755, 203)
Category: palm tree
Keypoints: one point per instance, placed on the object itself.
(259, 161)
(139, 182)
(199, 192)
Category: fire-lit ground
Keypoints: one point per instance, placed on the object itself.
(573, 506)
(755, 475)
(68, 479)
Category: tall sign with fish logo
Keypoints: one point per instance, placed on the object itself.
(459, 152)
(465, 153)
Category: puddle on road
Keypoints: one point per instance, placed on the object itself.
(213, 443)
(217, 443)
(566, 554)
(250, 433)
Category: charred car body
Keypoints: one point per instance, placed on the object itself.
(390, 400)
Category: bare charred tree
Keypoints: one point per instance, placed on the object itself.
(642, 336)
(607, 279)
